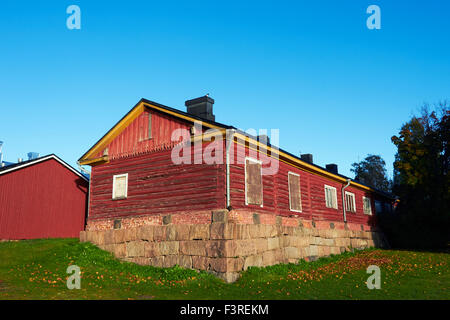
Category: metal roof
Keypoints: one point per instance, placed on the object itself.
(23, 164)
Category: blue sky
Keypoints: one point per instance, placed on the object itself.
(312, 69)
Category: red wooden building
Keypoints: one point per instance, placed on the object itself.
(158, 160)
(42, 198)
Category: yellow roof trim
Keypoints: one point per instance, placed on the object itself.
(119, 127)
(95, 161)
(114, 132)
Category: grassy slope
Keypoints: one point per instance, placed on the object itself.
(36, 269)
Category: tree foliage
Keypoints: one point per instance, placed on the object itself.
(372, 172)
(421, 181)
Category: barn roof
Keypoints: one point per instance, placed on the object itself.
(27, 163)
(89, 157)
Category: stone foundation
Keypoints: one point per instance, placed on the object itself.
(226, 247)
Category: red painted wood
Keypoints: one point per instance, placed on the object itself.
(156, 185)
(133, 140)
(44, 200)
(276, 192)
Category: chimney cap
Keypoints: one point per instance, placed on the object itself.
(205, 98)
(332, 167)
(308, 157)
(201, 107)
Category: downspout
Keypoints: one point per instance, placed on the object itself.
(343, 198)
(229, 141)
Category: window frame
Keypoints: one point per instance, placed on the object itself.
(326, 186)
(115, 177)
(354, 202)
(245, 182)
(370, 205)
(299, 191)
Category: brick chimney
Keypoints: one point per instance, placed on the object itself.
(332, 168)
(201, 107)
(308, 157)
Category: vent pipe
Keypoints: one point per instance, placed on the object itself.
(229, 142)
(32, 155)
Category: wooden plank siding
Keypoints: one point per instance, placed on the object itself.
(156, 185)
(312, 189)
(43, 200)
(134, 140)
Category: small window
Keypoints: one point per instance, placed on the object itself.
(350, 202)
(253, 182)
(120, 186)
(295, 200)
(367, 206)
(330, 197)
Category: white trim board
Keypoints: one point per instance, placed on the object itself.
(335, 198)
(42, 159)
(115, 177)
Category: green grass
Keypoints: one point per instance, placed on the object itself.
(36, 269)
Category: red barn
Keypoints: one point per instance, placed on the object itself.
(159, 166)
(42, 198)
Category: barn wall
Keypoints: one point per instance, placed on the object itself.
(276, 192)
(44, 200)
(157, 186)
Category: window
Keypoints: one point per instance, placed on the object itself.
(350, 202)
(120, 186)
(253, 182)
(330, 197)
(295, 199)
(367, 206)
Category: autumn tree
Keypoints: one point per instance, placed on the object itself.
(421, 181)
(372, 172)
